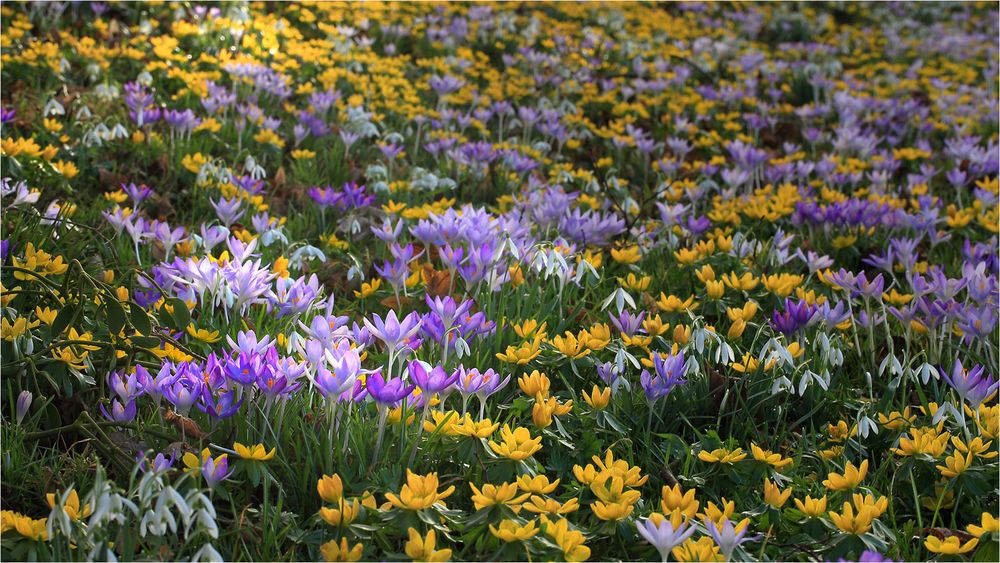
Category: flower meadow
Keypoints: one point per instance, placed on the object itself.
(506, 282)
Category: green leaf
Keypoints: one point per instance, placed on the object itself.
(181, 315)
(63, 320)
(115, 314)
(146, 341)
(140, 320)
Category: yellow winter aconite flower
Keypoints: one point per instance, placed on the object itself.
(955, 464)
(951, 545)
(516, 444)
(368, 288)
(522, 354)
(18, 328)
(534, 384)
(330, 488)
(598, 399)
(628, 255)
(769, 457)
(71, 506)
(257, 452)
(343, 514)
(510, 531)
(841, 431)
(489, 495)
(419, 492)
(976, 447)
(607, 466)
(775, 496)
(852, 522)
(615, 501)
(544, 505)
(700, 550)
(722, 455)
(896, 420)
(538, 484)
(27, 527)
(813, 508)
(333, 551)
(476, 428)
(673, 499)
(988, 525)
(635, 283)
(571, 346)
(850, 479)
(673, 304)
(208, 337)
(922, 441)
(571, 542)
(529, 328)
(421, 548)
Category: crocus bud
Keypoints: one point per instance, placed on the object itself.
(23, 404)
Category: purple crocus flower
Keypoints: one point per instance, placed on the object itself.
(974, 385)
(23, 404)
(218, 407)
(120, 412)
(244, 368)
(387, 393)
(870, 556)
(137, 193)
(795, 316)
(669, 374)
(434, 381)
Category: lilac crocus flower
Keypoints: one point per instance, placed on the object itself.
(669, 374)
(184, 391)
(120, 412)
(159, 464)
(126, 387)
(248, 343)
(727, 537)
(627, 323)
(974, 385)
(155, 386)
(343, 364)
(228, 210)
(387, 393)
(215, 470)
(608, 372)
(392, 331)
(663, 536)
